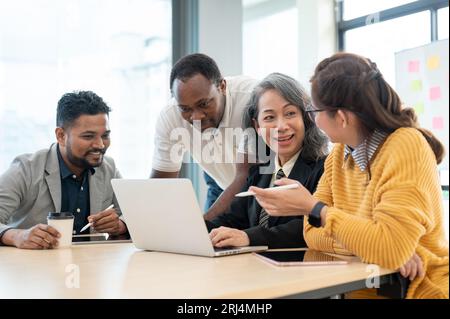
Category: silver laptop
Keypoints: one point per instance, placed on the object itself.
(164, 215)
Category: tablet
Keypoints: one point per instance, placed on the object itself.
(300, 258)
(99, 238)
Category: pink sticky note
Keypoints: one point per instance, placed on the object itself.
(413, 66)
(435, 93)
(438, 123)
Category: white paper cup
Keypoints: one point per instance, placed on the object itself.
(63, 223)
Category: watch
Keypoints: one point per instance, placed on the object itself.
(314, 216)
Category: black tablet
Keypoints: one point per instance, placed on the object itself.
(99, 238)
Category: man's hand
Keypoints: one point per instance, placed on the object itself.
(40, 236)
(412, 268)
(224, 200)
(107, 221)
(225, 237)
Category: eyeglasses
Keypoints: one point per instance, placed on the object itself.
(312, 111)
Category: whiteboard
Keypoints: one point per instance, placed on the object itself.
(421, 76)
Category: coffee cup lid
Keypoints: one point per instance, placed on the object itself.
(62, 215)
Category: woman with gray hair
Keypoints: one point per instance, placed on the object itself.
(276, 112)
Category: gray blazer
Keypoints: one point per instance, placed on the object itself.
(31, 188)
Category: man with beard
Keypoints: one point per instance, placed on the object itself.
(72, 175)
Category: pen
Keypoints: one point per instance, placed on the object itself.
(90, 224)
(249, 193)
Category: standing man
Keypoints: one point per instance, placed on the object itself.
(206, 108)
(72, 175)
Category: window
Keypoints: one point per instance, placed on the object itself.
(443, 23)
(378, 41)
(269, 38)
(120, 50)
(357, 8)
(364, 14)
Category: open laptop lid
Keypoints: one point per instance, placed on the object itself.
(163, 215)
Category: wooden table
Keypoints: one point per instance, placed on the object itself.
(122, 271)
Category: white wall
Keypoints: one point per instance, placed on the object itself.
(317, 37)
(220, 33)
(220, 37)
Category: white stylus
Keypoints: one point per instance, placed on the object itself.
(90, 224)
(278, 188)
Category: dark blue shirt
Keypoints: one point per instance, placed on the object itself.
(75, 194)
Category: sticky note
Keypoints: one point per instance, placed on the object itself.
(435, 93)
(413, 66)
(433, 62)
(419, 108)
(438, 123)
(416, 85)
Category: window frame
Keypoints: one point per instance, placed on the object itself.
(392, 13)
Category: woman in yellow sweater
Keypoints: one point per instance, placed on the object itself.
(380, 196)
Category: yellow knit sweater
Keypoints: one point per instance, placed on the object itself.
(386, 220)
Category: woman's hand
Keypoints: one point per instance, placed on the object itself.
(412, 268)
(226, 236)
(287, 202)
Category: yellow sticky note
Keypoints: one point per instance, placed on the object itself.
(419, 108)
(416, 85)
(433, 62)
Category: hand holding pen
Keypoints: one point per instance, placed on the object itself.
(107, 221)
